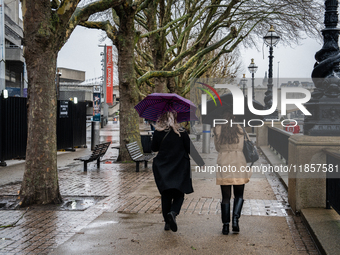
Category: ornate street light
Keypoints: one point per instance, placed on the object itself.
(325, 103)
(252, 69)
(270, 39)
(244, 82)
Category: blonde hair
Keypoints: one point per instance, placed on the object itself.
(168, 120)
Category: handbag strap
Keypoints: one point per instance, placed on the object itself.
(164, 137)
(245, 134)
(247, 138)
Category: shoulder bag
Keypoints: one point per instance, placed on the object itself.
(249, 149)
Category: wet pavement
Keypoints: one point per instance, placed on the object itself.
(126, 218)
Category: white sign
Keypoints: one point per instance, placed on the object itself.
(96, 89)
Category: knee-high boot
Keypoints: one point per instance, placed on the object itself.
(238, 203)
(225, 212)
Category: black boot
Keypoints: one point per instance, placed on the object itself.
(167, 226)
(225, 212)
(172, 220)
(238, 203)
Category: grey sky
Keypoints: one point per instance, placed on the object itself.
(295, 62)
(81, 52)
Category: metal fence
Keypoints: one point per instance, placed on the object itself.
(71, 129)
(278, 140)
(13, 128)
(333, 181)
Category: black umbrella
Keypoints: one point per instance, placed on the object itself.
(217, 111)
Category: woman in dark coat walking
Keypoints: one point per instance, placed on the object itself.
(171, 166)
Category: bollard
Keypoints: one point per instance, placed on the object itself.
(206, 138)
(95, 130)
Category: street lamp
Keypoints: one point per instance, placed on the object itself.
(270, 39)
(325, 102)
(244, 82)
(58, 83)
(252, 69)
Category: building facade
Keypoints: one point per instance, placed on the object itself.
(15, 73)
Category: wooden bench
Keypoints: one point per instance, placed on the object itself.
(137, 155)
(117, 147)
(98, 152)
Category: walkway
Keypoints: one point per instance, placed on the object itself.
(128, 219)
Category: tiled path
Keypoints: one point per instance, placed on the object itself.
(39, 231)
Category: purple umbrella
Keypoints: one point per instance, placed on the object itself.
(155, 104)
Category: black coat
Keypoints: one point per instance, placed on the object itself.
(171, 166)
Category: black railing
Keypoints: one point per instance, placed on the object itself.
(278, 140)
(13, 130)
(333, 180)
(71, 130)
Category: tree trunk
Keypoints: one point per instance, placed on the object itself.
(157, 42)
(171, 85)
(129, 119)
(161, 85)
(40, 183)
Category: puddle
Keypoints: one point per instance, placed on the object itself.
(70, 203)
(79, 203)
(8, 202)
(63, 168)
(100, 224)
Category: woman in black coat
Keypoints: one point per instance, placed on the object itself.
(171, 166)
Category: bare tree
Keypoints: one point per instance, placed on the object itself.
(192, 29)
(174, 38)
(121, 30)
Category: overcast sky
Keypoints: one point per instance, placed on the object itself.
(81, 52)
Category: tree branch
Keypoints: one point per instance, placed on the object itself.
(144, 55)
(102, 25)
(140, 72)
(142, 4)
(166, 27)
(83, 13)
(67, 7)
(193, 59)
(55, 4)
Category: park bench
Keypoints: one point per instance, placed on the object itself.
(137, 155)
(98, 152)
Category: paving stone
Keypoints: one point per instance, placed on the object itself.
(41, 230)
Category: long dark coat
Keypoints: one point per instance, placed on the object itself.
(171, 167)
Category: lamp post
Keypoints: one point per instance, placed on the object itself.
(2, 47)
(58, 83)
(324, 105)
(244, 82)
(252, 69)
(270, 39)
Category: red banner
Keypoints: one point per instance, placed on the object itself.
(109, 75)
